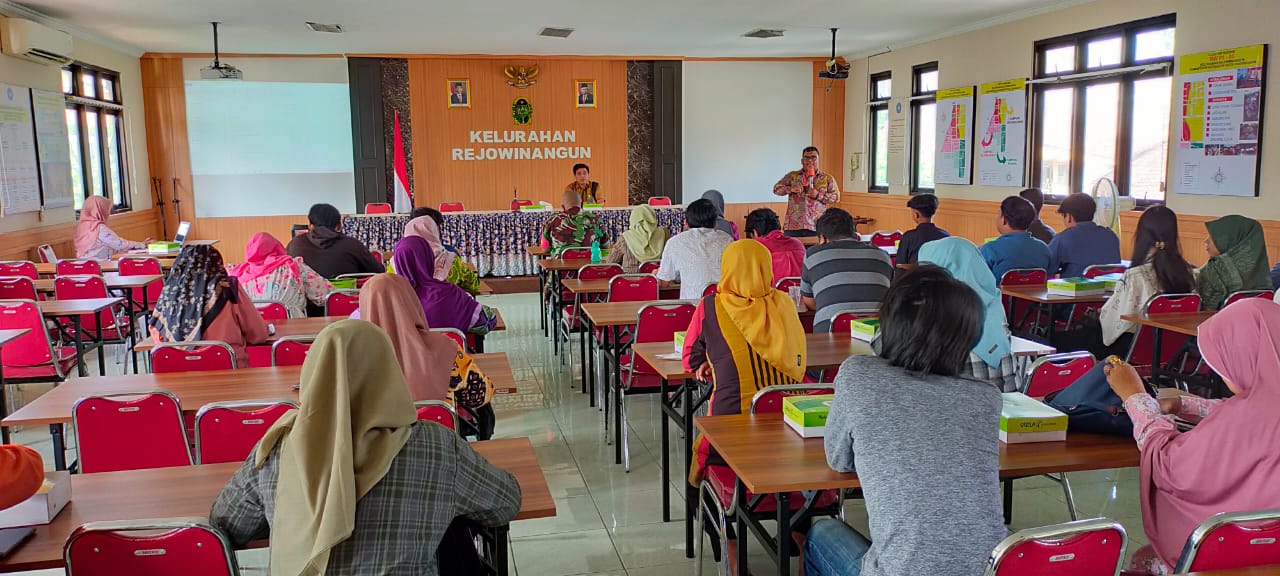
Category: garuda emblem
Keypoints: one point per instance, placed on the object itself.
(521, 76)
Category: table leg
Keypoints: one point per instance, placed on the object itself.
(616, 384)
(542, 298)
(784, 533)
(589, 383)
(500, 543)
(690, 493)
(666, 452)
(133, 327)
(743, 536)
(479, 340)
(1008, 501)
(582, 341)
(1157, 335)
(59, 447)
(75, 324)
(4, 406)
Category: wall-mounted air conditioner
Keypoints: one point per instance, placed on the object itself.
(35, 42)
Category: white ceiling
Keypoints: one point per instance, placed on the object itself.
(708, 28)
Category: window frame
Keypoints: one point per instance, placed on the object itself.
(1127, 33)
(919, 98)
(877, 103)
(103, 109)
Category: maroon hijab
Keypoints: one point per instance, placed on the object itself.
(1230, 462)
(445, 305)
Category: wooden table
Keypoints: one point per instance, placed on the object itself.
(809, 240)
(113, 280)
(7, 336)
(537, 251)
(195, 389)
(51, 268)
(1186, 323)
(485, 289)
(550, 284)
(1041, 295)
(191, 491)
(286, 327)
(769, 458)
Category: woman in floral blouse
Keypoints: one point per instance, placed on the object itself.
(268, 273)
(448, 267)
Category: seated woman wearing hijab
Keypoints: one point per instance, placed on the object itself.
(1237, 260)
(448, 267)
(742, 339)
(1227, 463)
(351, 483)
(93, 238)
(201, 302)
(642, 242)
(268, 273)
(444, 305)
(723, 225)
(992, 359)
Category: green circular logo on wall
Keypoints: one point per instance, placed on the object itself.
(521, 111)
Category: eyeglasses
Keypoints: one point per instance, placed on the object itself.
(809, 157)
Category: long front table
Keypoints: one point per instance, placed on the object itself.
(770, 458)
(496, 241)
(189, 491)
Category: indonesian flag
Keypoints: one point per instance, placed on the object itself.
(404, 199)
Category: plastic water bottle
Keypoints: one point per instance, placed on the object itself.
(595, 250)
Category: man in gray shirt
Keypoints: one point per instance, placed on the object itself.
(923, 440)
(842, 273)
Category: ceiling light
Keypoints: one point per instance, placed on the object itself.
(330, 28)
(763, 33)
(556, 32)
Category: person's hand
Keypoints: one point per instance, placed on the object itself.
(1171, 405)
(146, 240)
(703, 372)
(1123, 378)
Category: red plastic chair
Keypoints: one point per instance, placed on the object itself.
(718, 496)
(24, 268)
(841, 321)
(377, 255)
(1140, 353)
(571, 319)
(633, 288)
(377, 208)
(18, 288)
(451, 207)
(1085, 548)
(1246, 294)
(885, 238)
(33, 357)
(187, 546)
(517, 204)
(656, 322)
(291, 350)
(143, 267)
(1024, 316)
(1104, 269)
(342, 303)
(650, 266)
(454, 334)
(193, 356)
(228, 431)
(46, 253)
(271, 310)
(1233, 540)
(710, 289)
(104, 325)
(785, 284)
(575, 253)
(659, 201)
(437, 411)
(1054, 372)
(130, 431)
(69, 267)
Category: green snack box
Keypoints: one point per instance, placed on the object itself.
(344, 283)
(1025, 419)
(592, 205)
(163, 247)
(679, 338)
(1110, 280)
(864, 328)
(807, 415)
(1077, 286)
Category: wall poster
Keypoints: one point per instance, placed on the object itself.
(1002, 148)
(953, 143)
(1220, 128)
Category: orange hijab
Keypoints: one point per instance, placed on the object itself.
(426, 357)
(748, 303)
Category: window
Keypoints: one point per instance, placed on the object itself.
(881, 90)
(95, 129)
(1102, 110)
(924, 120)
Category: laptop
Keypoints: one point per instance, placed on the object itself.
(180, 237)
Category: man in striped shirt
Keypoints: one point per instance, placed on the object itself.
(842, 273)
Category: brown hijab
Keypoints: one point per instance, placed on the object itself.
(426, 357)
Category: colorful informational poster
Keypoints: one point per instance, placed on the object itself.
(1002, 147)
(19, 183)
(1220, 124)
(953, 144)
(54, 150)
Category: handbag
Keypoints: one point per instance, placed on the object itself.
(470, 387)
(1091, 406)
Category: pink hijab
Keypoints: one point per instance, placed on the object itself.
(425, 228)
(93, 216)
(262, 255)
(1230, 462)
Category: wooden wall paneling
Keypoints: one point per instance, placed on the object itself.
(369, 143)
(667, 122)
(234, 233)
(169, 155)
(828, 121)
(737, 212)
(488, 184)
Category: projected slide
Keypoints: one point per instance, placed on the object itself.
(269, 148)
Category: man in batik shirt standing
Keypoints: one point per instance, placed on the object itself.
(809, 191)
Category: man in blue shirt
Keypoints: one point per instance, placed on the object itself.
(1082, 244)
(1016, 248)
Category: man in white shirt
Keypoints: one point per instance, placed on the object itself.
(692, 257)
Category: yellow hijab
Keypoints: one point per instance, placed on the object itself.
(644, 237)
(355, 417)
(766, 317)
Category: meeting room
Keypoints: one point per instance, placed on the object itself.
(982, 288)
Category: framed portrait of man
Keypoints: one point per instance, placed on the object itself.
(585, 91)
(459, 93)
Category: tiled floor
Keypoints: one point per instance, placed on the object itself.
(609, 521)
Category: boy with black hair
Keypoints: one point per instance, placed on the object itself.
(1082, 243)
(923, 207)
(843, 272)
(787, 253)
(1016, 248)
(329, 252)
(1038, 229)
